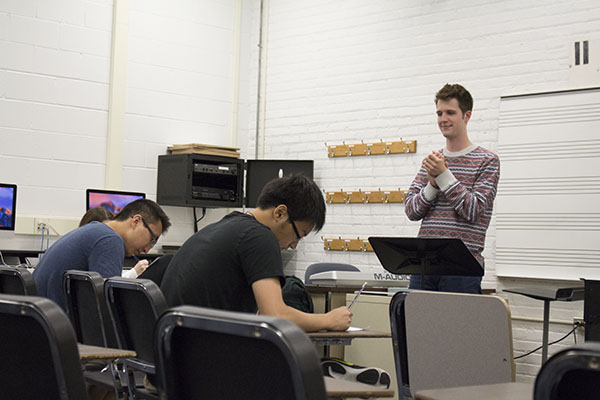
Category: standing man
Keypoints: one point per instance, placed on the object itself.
(235, 264)
(100, 247)
(453, 193)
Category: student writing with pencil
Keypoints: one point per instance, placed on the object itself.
(101, 214)
(100, 246)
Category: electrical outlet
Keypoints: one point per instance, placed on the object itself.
(579, 321)
(40, 223)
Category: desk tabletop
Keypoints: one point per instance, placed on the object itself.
(87, 353)
(365, 333)
(343, 289)
(497, 391)
(351, 289)
(551, 293)
(341, 388)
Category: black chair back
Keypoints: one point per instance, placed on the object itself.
(86, 308)
(134, 306)
(573, 373)
(207, 353)
(38, 350)
(15, 280)
(398, 328)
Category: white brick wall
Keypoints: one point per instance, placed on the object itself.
(179, 89)
(53, 103)
(360, 70)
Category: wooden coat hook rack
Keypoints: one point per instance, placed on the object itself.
(341, 244)
(366, 197)
(371, 149)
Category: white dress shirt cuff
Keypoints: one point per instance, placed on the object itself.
(445, 180)
(429, 192)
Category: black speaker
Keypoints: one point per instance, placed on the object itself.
(591, 310)
(196, 180)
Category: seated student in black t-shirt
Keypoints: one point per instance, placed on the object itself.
(235, 264)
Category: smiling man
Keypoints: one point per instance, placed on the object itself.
(235, 264)
(453, 193)
(100, 247)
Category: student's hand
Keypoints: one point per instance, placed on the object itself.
(141, 266)
(435, 164)
(339, 318)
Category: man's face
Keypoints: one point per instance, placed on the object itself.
(450, 118)
(142, 236)
(286, 234)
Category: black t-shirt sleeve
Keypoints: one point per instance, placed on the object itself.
(260, 256)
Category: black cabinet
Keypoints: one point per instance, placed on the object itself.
(196, 180)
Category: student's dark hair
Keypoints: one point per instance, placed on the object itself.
(149, 210)
(458, 92)
(95, 214)
(300, 194)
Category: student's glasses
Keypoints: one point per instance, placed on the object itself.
(295, 228)
(152, 235)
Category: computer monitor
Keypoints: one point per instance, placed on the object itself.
(260, 172)
(112, 200)
(8, 206)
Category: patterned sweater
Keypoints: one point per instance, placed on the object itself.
(462, 207)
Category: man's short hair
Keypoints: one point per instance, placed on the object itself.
(300, 194)
(149, 210)
(458, 92)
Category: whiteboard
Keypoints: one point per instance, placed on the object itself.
(548, 200)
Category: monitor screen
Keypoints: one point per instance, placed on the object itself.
(112, 200)
(260, 172)
(8, 205)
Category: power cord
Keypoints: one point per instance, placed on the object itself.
(575, 326)
(199, 219)
(45, 228)
(51, 227)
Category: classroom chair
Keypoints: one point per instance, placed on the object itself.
(134, 306)
(209, 354)
(15, 280)
(86, 308)
(573, 373)
(38, 350)
(443, 340)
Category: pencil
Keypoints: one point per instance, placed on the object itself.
(357, 294)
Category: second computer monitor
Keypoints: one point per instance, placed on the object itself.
(112, 200)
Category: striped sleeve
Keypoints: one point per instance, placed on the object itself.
(470, 203)
(416, 204)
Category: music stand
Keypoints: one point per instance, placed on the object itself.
(425, 256)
